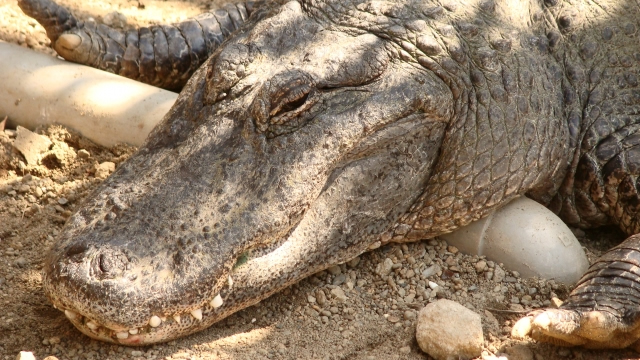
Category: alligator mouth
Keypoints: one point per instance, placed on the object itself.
(162, 325)
(159, 328)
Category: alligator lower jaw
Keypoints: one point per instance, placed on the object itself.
(160, 328)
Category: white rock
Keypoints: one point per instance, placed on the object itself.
(498, 274)
(31, 145)
(339, 294)
(25, 355)
(384, 268)
(430, 271)
(447, 330)
(104, 169)
(526, 237)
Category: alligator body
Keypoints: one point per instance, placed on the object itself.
(320, 129)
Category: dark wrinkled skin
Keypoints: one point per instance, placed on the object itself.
(322, 129)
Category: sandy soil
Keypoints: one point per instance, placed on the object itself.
(377, 321)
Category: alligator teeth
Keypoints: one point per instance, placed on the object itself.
(176, 318)
(197, 313)
(92, 325)
(230, 281)
(122, 335)
(71, 314)
(155, 321)
(216, 302)
(133, 331)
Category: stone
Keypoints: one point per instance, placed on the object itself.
(321, 298)
(519, 352)
(384, 268)
(334, 270)
(354, 262)
(104, 169)
(446, 330)
(83, 154)
(339, 279)
(339, 294)
(431, 271)
(25, 355)
(31, 145)
(498, 274)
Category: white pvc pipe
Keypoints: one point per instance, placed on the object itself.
(37, 89)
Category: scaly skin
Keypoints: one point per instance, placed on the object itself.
(324, 128)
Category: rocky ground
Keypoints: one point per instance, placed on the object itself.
(365, 309)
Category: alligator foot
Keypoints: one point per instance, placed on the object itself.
(603, 311)
(160, 55)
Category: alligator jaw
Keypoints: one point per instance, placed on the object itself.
(158, 328)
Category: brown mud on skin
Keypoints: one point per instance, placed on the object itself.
(375, 322)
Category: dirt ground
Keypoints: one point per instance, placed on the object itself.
(377, 321)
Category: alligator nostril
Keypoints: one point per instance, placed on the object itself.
(109, 264)
(106, 263)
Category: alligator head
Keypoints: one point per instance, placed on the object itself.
(293, 148)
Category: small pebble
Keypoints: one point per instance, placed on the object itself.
(339, 294)
(354, 262)
(384, 268)
(339, 279)
(555, 302)
(25, 355)
(83, 154)
(409, 315)
(334, 270)
(498, 274)
(431, 271)
(321, 298)
(21, 262)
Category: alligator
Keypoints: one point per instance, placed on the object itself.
(308, 132)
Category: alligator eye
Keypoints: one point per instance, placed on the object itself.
(291, 99)
(281, 104)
